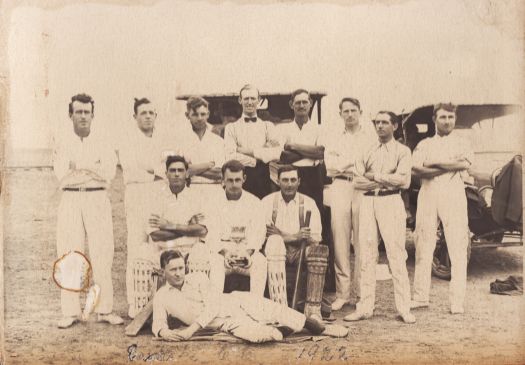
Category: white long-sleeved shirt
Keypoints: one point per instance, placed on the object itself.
(254, 135)
(139, 153)
(93, 153)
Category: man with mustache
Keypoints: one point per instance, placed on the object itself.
(253, 142)
(84, 164)
(236, 232)
(140, 158)
(381, 171)
(442, 162)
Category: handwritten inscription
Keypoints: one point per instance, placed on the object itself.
(323, 353)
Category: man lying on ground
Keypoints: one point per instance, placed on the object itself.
(190, 299)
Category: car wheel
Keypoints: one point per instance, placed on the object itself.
(441, 266)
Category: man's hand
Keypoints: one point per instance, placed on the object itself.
(229, 258)
(288, 146)
(245, 151)
(196, 219)
(72, 165)
(171, 335)
(272, 229)
(155, 221)
(271, 143)
(304, 233)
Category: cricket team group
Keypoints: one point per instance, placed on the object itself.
(203, 209)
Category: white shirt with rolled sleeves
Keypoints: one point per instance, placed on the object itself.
(224, 214)
(391, 165)
(309, 134)
(442, 197)
(255, 135)
(86, 213)
(287, 219)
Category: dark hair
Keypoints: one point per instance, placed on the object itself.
(233, 166)
(286, 168)
(247, 87)
(84, 99)
(449, 107)
(351, 100)
(393, 117)
(300, 91)
(195, 102)
(175, 158)
(139, 102)
(169, 255)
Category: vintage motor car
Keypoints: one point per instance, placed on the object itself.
(494, 131)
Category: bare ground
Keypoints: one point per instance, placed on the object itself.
(490, 332)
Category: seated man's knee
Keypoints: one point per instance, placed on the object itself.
(275, 246)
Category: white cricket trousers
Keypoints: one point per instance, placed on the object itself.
(344, 208)
(138, 198)
(385, 215)
(447, 202)
(87, 216)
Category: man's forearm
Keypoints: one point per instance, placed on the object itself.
(190, 230)
(426, 172)
(308, 151)
(392, 180)
(452, 165)
(362, 183)
(213, 173)
(198, 169)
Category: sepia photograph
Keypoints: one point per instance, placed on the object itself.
(262, 182)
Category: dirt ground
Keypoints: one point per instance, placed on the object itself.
(490, 332)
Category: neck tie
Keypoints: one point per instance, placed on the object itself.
(248, 119)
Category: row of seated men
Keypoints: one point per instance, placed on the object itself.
(377, 168)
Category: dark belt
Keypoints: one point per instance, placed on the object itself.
(343, 177)
(381, 192)
(83, 189)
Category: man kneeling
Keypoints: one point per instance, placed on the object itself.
(190, 299)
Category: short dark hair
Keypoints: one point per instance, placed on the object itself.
(233, 166)
(169, 255)
(139, 102)
(286, 168)
(175, 158)
(351, 100)
(393, 116)
(84, 99)
(195, 102)
(300, 91)
(449, 107)
(247, 87)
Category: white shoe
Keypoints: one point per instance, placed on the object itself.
(408, 318)
(335, 330)
(111, 318)
(91, 302)
(457, 309)
(131, 312)
(418, 304)
(357, 316)
(338, 304)
(68, 321)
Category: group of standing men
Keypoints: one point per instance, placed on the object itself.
(200, 195)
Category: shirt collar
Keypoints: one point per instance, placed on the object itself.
(389, 145)
(293, 200)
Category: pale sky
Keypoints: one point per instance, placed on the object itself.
(390, 57)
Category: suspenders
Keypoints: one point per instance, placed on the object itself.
(301, 209)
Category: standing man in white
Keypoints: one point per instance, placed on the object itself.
(442, 162)
(341, 151)
(84, 164)
(140, 157)
(382, 170)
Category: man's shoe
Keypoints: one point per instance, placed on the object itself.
(457, 309)
(111, 318)
(335, 330)
(131, 312)
(408, 318)
(66, 322)
(338, 304)
(418, 304)
(357, 316)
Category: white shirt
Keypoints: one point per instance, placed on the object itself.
(235, 217)
(309, 135)
(139, 153)
(254, 135)
(343, 148)
(287, 219)
(93, 153)
(443, 148)
(196, 151)
(177, 209)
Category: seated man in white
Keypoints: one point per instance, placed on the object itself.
(286, 229)
(236, 232)
(189, 298)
